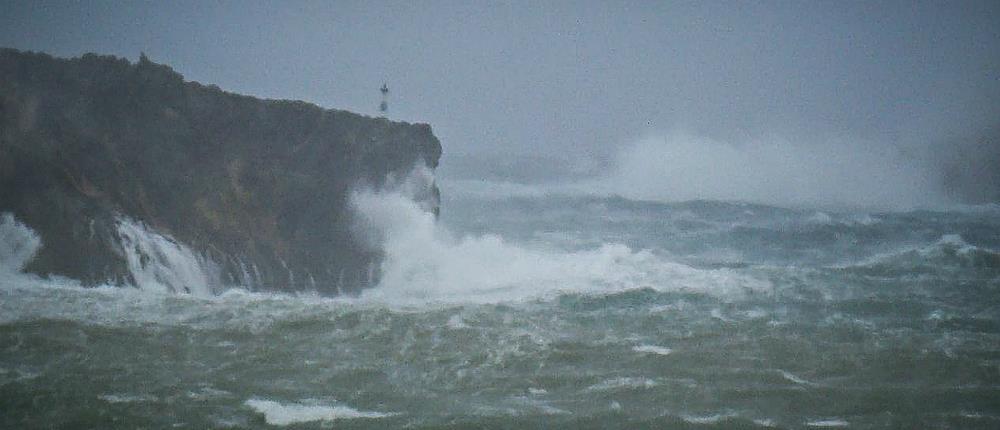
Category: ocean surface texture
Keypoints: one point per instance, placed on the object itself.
(531, 310)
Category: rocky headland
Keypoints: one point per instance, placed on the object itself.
(125, 171)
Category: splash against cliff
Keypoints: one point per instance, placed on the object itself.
(258, 187)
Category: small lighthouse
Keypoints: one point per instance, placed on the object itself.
(384, 106)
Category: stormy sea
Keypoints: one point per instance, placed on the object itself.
(537, 310)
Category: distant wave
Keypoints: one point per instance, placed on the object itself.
(681, 167)
(684, 167)
(948, 253)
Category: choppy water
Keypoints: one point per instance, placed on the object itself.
(547, 312)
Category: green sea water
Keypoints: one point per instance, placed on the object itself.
(548, 312)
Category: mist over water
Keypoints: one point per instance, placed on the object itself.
(680, 167)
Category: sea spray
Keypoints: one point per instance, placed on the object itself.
(425, 262)
(159, 263)
(679, 167)
(18, 244)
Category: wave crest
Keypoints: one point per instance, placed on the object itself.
(949, 253)
(423, 261)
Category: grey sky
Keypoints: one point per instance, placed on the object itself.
(587, 77)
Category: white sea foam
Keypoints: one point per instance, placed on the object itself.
(820, 218)
(18, 244)
(127, 398)
(424, 262)
(978, 416)
(207, 392)
(158, 262)
(792, 378)
(833, 422)
(455, 322)
(536, 405)
(653, 349)
(283, 414)
(950, 241)
(706, 419)
(623, 383)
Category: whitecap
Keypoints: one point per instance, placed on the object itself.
(653, 349)
(790, 377)
(425, 263)
(623, 383)
(764, 422)
(835, 422)
(207, 392)
(455, 322)
(706, 419)
(820, 218)
(283, 414)
(127, 398)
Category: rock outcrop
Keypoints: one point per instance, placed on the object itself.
(98, 154)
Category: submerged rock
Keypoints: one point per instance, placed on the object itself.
(255, 190)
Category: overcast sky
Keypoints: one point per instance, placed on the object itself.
(548, 77)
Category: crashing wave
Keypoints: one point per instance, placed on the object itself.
(18, 244)
(156, 262)
(159, 263)
(950, 252)
(425, 262)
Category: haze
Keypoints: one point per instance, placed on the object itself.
(583, 82)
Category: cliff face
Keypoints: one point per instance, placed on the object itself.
(256, 188)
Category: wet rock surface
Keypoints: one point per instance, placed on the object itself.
(258, 188)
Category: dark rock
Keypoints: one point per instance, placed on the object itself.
(242, 181)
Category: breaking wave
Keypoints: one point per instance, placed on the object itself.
(18, 244)
(949, 253)
(156, 262)
(159, 263)
(425, 262)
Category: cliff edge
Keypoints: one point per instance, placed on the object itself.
(126, 171)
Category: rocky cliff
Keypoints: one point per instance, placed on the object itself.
(125, 171)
